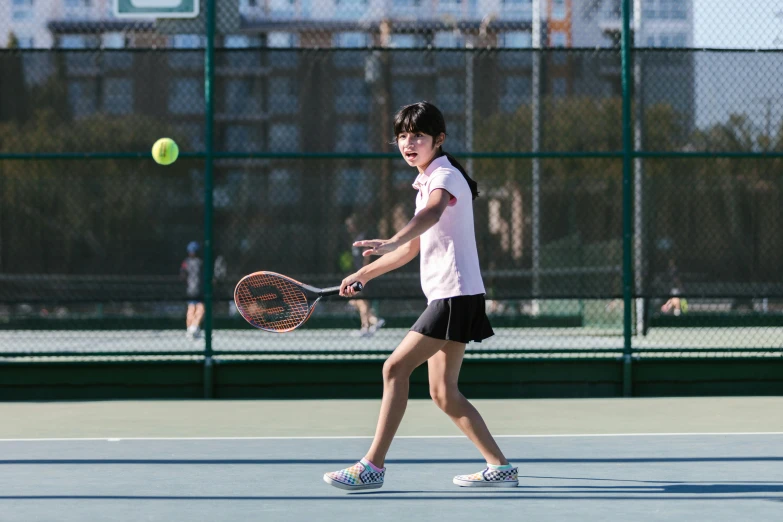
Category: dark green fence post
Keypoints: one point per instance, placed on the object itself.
(209, 77)
(625, 50)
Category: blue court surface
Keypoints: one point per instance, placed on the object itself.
(610, 478)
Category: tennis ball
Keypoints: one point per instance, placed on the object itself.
(165, 151)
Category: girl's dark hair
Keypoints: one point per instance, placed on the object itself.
(424, 117)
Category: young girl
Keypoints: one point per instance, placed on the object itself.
(442, 232)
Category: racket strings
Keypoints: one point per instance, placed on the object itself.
(272, 302)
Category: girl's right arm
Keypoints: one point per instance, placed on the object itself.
(380, 266)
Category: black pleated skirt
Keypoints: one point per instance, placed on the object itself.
(462, 318)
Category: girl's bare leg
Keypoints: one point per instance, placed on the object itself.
(414, 350)
(443, 368)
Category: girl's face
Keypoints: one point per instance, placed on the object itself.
(418, 149)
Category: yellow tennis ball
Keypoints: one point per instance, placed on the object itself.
(165, 151)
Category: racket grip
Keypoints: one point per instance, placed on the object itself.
(357, 286)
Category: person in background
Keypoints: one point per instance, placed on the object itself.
(191, 271)
(675, 304)
(370, 323)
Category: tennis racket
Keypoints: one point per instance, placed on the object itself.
(276, 303)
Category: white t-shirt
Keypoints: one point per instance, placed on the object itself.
(448, 255)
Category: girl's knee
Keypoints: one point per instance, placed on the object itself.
(395, 369)
(444, 396)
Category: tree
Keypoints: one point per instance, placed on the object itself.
(89, 216)
(720, 214)
(13, 102)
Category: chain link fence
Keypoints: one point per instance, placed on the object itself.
(93, 233)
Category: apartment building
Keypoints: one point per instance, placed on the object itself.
(399, 24)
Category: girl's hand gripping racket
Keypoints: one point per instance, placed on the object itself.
(276, 303)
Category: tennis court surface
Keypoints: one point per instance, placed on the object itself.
(613, 459)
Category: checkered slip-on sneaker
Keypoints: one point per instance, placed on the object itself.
(359, 476)
(489, 478)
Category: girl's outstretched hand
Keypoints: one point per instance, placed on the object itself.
(377, 247)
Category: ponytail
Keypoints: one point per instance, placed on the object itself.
(471, 183)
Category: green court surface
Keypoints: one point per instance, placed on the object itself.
(288, 418)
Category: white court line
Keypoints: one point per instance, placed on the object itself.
(347, 437)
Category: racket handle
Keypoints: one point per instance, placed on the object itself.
(336, 289)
